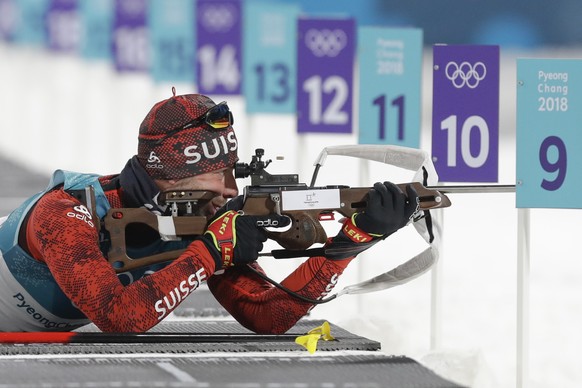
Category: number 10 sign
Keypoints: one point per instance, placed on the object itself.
(549, 133)
(465, 126)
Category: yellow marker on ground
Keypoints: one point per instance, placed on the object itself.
(309, 341)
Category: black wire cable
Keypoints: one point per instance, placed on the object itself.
(288, 291)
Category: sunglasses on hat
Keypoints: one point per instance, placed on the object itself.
(217, 117)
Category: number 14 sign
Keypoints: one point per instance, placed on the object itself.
(549, 133)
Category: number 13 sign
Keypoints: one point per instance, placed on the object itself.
(549, 137)
(465, 127)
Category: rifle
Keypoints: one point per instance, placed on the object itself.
(267, 194)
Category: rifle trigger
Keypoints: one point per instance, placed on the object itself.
(327, 216)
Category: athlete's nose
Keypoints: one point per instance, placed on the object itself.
(230, 186)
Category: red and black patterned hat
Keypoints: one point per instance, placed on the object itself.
(176, 141)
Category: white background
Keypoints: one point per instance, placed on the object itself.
(61, 112)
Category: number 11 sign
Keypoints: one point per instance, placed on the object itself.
(390, 69)
(549, 133)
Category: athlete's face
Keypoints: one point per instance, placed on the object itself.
(221, 182)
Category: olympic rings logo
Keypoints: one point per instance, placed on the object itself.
(466, 74)
(325, 43)
(218, 18)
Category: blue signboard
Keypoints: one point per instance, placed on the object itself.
(325, 56)
(390, 74)
(63, 26)
(30, 23)
(130, 40)
(218, 46)
(465, 122)
(270, 64)
(549, 133)
(96, 24)
(171, 27)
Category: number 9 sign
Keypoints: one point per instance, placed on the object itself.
(549, 137)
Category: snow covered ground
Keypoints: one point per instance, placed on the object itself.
(59, 112)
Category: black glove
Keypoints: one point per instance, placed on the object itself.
(235, 239)
(388, 209)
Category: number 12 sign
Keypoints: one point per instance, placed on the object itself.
(465, 126)
(325, 56)
(549, 133)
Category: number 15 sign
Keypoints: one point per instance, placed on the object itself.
(549, 133)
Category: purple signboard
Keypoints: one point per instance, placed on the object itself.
(8, 18)
(218, 46)
(325, 68)
(63, 29)
(465, 122)
(130, 42)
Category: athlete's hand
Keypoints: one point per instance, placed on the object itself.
(388, 209)
(236, 203)
(235, 239)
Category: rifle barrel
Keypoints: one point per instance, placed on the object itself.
(474, 189)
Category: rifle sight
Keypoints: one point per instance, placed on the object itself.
(255, 167)
(259, 177)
